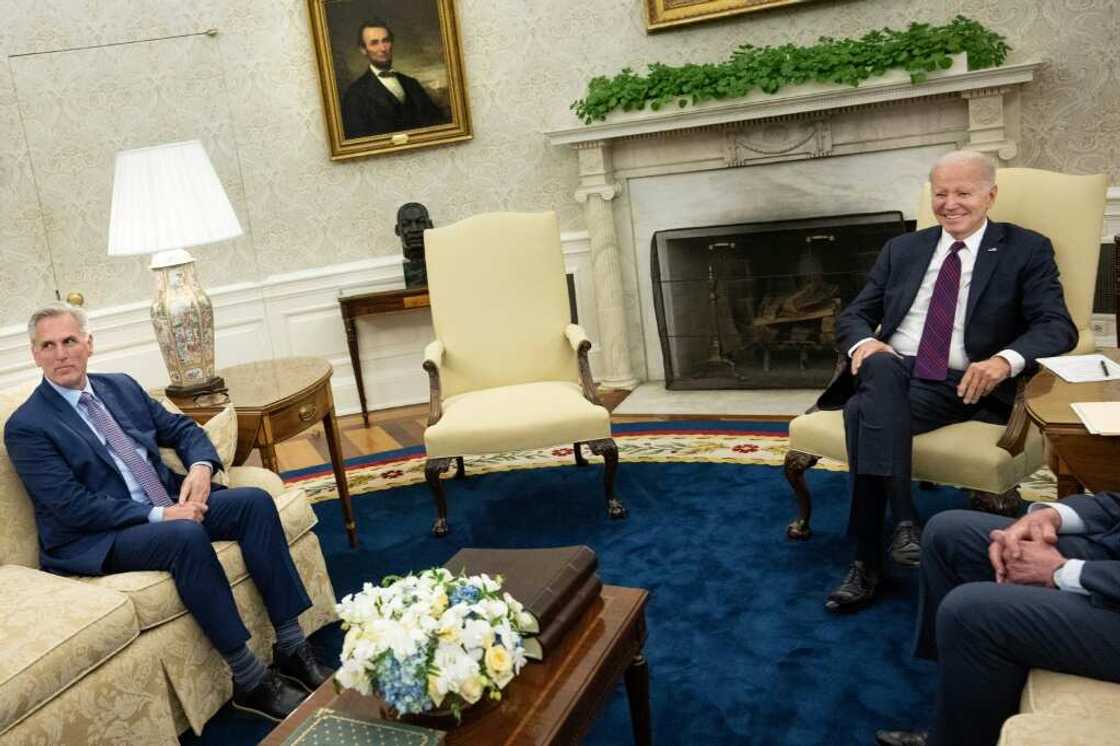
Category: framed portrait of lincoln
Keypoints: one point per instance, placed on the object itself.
(391, 72)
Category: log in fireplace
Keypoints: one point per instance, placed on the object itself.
(754, 305)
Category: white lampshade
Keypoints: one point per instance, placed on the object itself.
(165, 198)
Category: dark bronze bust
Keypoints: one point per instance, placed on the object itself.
(412, 219)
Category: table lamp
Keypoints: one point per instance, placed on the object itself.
(166, 199)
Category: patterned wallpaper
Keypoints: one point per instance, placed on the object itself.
(80, 80)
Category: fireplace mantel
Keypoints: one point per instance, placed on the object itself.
(800, 100)
(886, 117)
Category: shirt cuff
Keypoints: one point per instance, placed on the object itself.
(1068, 577)
(857, 344)
(155, 515)
(207, 464)
(1014, 359)
(1071, 521)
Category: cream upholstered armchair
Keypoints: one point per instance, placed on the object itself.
(988, 460)
(508, 372)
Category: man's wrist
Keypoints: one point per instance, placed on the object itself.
(1055, 577)
(208, 466)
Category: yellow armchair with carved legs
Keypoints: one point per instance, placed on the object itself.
(508, 370)
(988, 460)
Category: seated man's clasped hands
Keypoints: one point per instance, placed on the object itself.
(1000, 597)
(87, 449)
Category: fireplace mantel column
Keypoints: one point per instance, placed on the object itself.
(988, 129)
(595, 193)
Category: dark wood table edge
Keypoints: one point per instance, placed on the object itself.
(632, 667)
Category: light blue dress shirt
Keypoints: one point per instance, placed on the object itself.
(135, 491)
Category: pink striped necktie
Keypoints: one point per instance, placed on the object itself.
(932, 362)
(124, 448)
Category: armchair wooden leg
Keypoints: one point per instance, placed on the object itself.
(577, 448)
(460, 469)
(432, 469)
(1009, 503)
(606, 448)
(795, 466)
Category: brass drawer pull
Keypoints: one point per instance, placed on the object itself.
(307, 412)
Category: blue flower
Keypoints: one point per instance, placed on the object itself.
(464, 593)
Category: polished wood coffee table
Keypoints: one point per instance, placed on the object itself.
(1078, 458)
(551, 702)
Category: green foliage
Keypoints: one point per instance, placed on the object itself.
(918, 50)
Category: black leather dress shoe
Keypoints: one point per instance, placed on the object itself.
(858, 588)
(301, 667)
(273, 698)
(906, 544)
(901, 738)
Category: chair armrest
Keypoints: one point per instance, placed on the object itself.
(1014, 436)
(433, 359)
(579, 341)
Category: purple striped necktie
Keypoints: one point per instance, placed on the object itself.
(122, 445)
(932, 362)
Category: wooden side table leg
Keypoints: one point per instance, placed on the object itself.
(268, 457)
(356, 365)
(637, 693)
(338, 465)
(1067, 482)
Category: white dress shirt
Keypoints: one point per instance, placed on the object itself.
(391, 83)
(135, 491)
(908, 336)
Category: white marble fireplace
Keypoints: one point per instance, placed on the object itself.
(805, 151)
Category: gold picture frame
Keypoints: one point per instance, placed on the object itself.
(664, 14)
(415, 99)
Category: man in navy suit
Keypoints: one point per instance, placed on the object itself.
(383, 100)
(999, 598)
(948, 317)
(87, 449)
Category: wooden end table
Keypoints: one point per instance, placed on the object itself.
(1078, 458)
(353, 304)
(275, 400)
(551, 702)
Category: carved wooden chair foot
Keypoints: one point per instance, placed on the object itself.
(1009, 503)
(796, 464)
(460, 468)
(606, 448)
(432, 469)
(581, 460)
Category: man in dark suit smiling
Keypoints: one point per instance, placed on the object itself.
(948, 317)
(383, 100)
(87, 449)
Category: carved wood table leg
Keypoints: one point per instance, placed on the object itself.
(460, 468)
(796, 464)
(432, 469)
(606, 448)
(1009, 503)
(637, 693)
(577, 448)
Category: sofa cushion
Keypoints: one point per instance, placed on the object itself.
(19, 537)
(1066, 694)
(153, 592)
(221, 429)
(1037, 729)
(938, 456)
(54, 631)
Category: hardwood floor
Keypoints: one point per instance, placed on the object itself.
(403, 427)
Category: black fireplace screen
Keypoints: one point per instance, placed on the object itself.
(754, 305)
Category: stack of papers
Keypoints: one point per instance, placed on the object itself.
(1099, 417)
(1082, 368)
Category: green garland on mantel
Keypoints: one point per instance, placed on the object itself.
(918, 50)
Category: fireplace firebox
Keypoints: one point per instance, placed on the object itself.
(754, 305)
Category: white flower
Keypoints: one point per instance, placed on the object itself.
(477, 633)
(471, 689)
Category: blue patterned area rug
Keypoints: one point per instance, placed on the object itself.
(741, 649)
